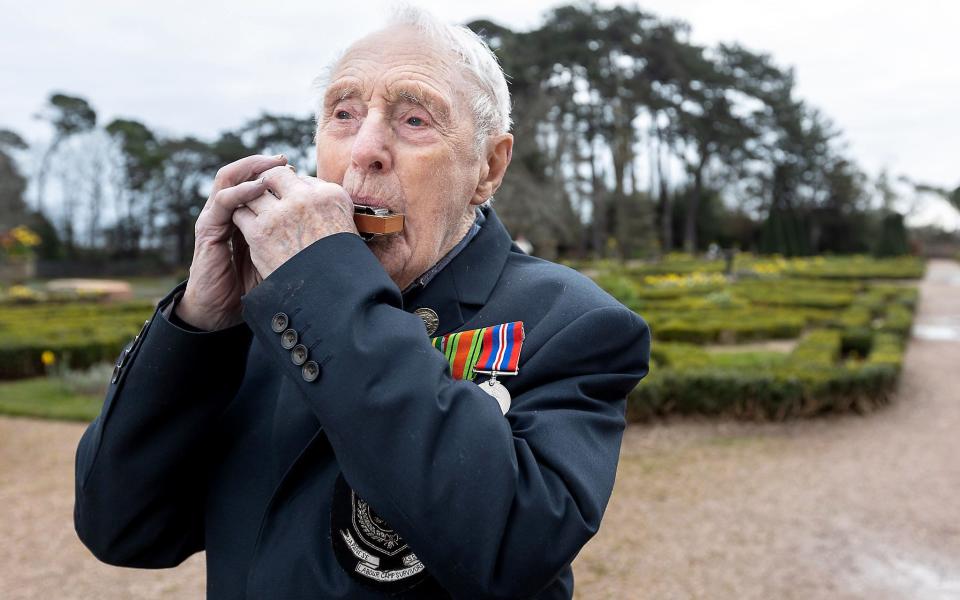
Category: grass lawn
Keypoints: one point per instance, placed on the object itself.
(47, 398)
(152, 288)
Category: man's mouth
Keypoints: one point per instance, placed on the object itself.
(372, 202)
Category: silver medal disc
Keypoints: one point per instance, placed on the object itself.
(430, 319)
(500, 393)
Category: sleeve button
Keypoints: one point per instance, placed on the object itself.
(289, 339)
(310, 371)
(279, 322)
(299, 354)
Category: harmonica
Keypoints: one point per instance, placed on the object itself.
(373, 221)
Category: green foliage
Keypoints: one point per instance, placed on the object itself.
(79, 334)
(290, 135)
(858, 268)
(857, 341)
(70, 115)
(678, 354)
(726, 114)
(818, 348)
(726, 326)
(797, 293)
(776, 392)
(51, 246)
(856, 317)
(13, 184)
(893, 237)
(140, 151)
(851, 328)
(898, 319)
(748, 360)
(675, 263)
(951, 196)
(887, 351)
(785, 232)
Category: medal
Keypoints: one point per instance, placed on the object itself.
(500, 356)
(499, 393)
(430, 319)
(492, 351)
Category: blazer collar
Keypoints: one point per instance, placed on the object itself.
(460, 288)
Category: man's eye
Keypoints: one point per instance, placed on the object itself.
(415, 121)
(342, 114)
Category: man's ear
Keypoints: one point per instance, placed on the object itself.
(499, 151)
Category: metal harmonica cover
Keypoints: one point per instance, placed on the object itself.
(372, 221)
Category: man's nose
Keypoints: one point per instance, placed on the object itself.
(370, 148)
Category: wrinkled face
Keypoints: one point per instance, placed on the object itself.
(396, 131)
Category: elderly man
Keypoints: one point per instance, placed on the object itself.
(285, 410)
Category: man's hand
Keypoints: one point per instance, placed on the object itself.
(294, 213)
(221, 271)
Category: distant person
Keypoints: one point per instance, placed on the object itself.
(524, 244)
(428, 414)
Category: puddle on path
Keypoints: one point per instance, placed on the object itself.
(937, 333)
(951, 277)
(938, 329)
(913, 578)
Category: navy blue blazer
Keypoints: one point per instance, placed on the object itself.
(216, 441)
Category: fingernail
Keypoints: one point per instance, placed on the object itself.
(281, 157)
(292, 168)
(261, 181)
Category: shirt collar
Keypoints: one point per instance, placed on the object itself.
(423, 280)
(460, 289)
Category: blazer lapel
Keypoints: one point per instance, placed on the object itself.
(463, 286)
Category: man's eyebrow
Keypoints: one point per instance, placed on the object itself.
(428, 100)
(340, 91)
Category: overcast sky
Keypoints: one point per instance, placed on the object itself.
(885, 71)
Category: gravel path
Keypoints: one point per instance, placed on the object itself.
(851, 507)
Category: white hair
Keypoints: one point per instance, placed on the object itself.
(491, 103)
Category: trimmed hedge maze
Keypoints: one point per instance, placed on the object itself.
(849, 318)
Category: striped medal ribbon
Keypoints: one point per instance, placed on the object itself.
(491, 351)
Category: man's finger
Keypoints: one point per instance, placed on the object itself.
(261, 202)
(282, 180)
(243, 218)
(227, 200)
(245, 169)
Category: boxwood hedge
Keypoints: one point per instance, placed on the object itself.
(811, 380)
(851, 326)
(77, 334)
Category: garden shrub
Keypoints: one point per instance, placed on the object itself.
(819, 347)
(78, 334)
(857, 267)
(853, 327)
(774, 393)
(857, 341)
(898, 320)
